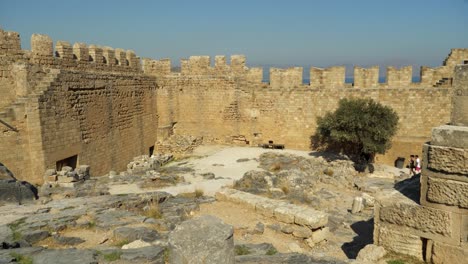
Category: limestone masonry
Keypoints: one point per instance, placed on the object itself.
(67, 105)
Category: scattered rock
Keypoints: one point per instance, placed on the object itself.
(66, 256)
(70, 241)
(136, 244)
(371, 254)
(135, 233)
(259, 228)
(202, 240)
(358, 205)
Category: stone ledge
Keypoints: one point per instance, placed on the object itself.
(450, 136)
(280, 210)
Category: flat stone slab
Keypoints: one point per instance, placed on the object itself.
(280, 210)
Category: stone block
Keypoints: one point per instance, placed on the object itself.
(266, 208)
(450, 136)
(401, 242)
(370, 254)
(443, 253)
(285, 214)
(202, 240)
(448, 159)
(320, 234)
(311, 218)
(424, 219)
(449, 192)
(301, 231)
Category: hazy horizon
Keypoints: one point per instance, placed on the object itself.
(270, 33)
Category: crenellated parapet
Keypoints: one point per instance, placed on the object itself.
(80, 56)
(201, 66)
(286, 78)
(399, 77)
(366, 77)
(333, 77)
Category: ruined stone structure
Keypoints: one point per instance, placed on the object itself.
(436, 228)
(79, 104)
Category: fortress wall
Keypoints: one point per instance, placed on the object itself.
(105, 119)
(225, 111)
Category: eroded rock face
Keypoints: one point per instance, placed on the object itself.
(13, 191)
(202, 240)
(5, 173)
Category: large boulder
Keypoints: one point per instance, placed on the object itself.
(202, 240)
(12, 191)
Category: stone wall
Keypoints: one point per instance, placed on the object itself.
(92, 102)
(436, 228)
(105, 106)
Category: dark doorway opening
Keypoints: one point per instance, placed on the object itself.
(465, 62)
(151, 150)
(70, 161)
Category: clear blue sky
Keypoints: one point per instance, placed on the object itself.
(269, 32)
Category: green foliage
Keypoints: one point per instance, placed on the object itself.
(113, 256)
(271, 251)
(21, 259)
(359, 127)
(241, 250)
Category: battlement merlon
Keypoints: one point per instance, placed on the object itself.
(10, 42)
(286, 78)
(399, 77)
(366, 77)
(156, 67)
(332, 77)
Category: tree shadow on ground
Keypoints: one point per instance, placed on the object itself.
(410, 187)
(364, 231)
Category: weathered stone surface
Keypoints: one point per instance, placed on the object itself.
(358, 205)
(290, 258)
(202, 240)
(371, 254)
(447, 192)
(401, 242)
(35, 235)
(285, 213)
(443, 253)
(13, 191)
(62, 240)
(448, 159)
(152, 254)
(66, 256)
(450, 136)
(136, 244)
(301, 231)
(320, 234)
(460, 99)
(311, 218)
(135, 233)
(421, 218)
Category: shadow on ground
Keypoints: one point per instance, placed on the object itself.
(364, 236)
(410, 187)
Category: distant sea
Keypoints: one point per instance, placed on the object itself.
(351, 80)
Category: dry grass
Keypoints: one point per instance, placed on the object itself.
(275, 167)
(153, 210)
(199, 193)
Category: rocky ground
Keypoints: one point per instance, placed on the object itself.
(126, 217)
